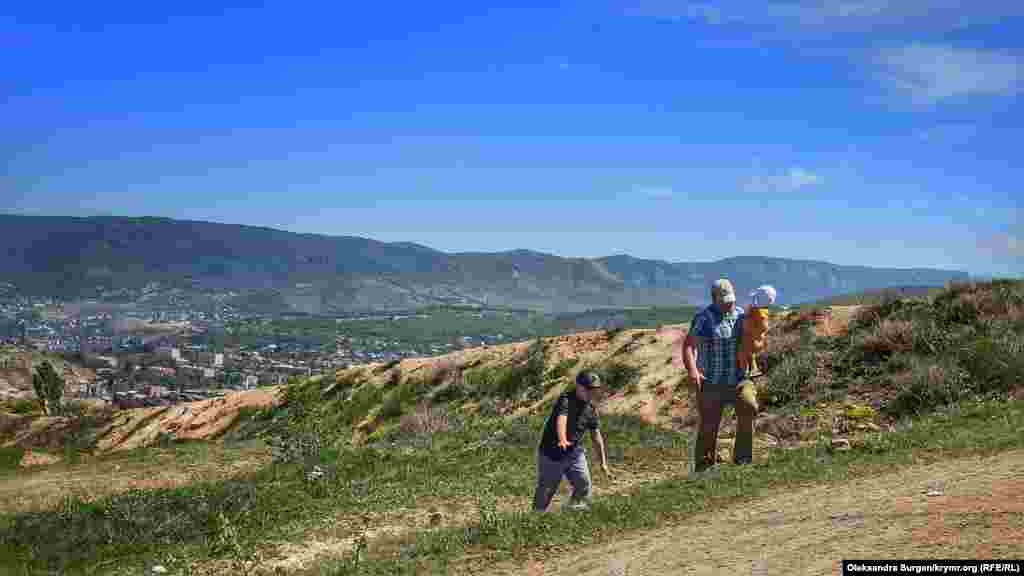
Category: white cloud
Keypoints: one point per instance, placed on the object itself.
(928, 73)
(654, 192)
(831, 16)
(796, 178)
(852, 31)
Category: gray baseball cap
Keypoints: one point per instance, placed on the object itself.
(722, 291)
(588, 379)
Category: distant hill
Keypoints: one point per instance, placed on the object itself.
(879, 295)
(72, 257)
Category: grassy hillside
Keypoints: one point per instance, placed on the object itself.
(879, 296)
(427, 466)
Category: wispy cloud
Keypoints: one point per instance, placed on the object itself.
(928, 73)
(794, 179)
(922, 73)
(833, 16)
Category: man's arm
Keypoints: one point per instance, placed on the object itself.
(696, 379)
(560, 425)
(599, 440)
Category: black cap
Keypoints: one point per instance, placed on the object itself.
(588, 379)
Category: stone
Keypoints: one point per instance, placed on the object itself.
(158, 569)
(840, 444)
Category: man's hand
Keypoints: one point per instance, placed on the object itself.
(564, 444)
(696, 381)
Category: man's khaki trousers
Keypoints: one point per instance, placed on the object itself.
(711, 400)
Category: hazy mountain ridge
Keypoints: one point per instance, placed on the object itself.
(73, 257)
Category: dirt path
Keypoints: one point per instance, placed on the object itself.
(975, 511)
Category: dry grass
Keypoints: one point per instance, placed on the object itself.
(425, 421)
(889, 337)
(45, 487)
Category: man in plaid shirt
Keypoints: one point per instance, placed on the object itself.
(709, 354)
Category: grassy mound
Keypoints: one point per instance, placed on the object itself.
(906, 355)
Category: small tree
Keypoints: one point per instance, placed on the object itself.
(49, 387)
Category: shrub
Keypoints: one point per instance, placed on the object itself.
(392, 407)
(994, 363)
(403, 395)
(421, 425)
(10, 457)
(454, 391)
(49, 387)
(24, 406)
(885, 339)
(527, 376)
(479, 381)
(616, 376)
(562, 369)
(928, 386)
(789, 378)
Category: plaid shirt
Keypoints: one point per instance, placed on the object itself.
(720, 337)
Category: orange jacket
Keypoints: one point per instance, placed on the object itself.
(755, 328)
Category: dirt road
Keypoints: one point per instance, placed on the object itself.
(968, 508)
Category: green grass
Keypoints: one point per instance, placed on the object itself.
(10, 458)
(474, 461)
(970, 429)
(492, 457)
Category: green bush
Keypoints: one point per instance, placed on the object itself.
(479, 381)
(994, 363)
(10, 457)
(562, 369)
(928, 386)
(617, 376)
(789, 379)
(49, 387)
(24, 406)
(454, 391)
(527, 376)
(392, 407)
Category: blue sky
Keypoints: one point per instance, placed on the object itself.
(848, 131)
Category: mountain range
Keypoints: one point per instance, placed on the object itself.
(80, 257)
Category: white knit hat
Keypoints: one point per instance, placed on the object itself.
(763, 296)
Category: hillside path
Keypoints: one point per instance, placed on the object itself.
(975, 510)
